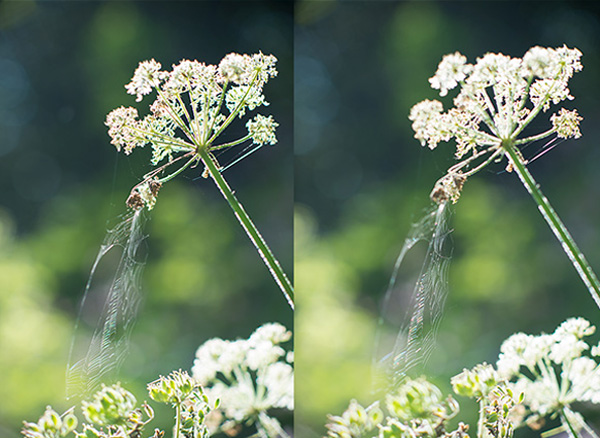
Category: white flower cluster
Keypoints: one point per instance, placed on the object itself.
(262, 129)
(499, 96)
(544, 375)
(194, 103)
(551, 370)
(248, 376)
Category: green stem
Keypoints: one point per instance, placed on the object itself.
(178, 171)
(269, 259)
(480, 425)
(230, 144)
(558, 228)
(177, 420)
(564, 418)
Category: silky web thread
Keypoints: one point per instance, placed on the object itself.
(415, 340)
(109, 343)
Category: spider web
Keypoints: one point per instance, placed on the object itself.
(423, 308)
(95, 360)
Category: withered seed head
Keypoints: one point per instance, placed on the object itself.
(135, 200)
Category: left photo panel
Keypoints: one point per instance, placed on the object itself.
(146, 219)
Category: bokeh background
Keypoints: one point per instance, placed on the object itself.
(63, 66)
(362, 179)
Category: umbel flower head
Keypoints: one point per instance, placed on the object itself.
(249, 377)
(539, 376)
(499, 96)
(552, 370)
(194, 104)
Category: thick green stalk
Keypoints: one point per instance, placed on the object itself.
(558, 228)
(177, 420)
(272, 263)
(480, 422)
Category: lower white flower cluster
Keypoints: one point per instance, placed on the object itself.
(552, 371)
(250, 377)
(535, 377)
(549, 372)
(234, 384)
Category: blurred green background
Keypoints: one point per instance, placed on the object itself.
(349, 73)
(362, 179)
(63, 67)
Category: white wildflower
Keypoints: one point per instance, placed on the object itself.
(184, 76)
(546, 91)
(262, 129)
(122, 127)
(566, 349)
(264, 65)
(248, 376)
(522, 350)
(272, 332)
(499, 97)
(243, 97)
(557, 372)
(145, 78)
(429, 124)
(566, 123)
(263, 353)
(452, 70)
(278, 379)
(236, 68)
(583, 373)
(189, 112)
(206, 365)
(540, 396)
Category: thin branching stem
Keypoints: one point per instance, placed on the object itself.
(558, 228)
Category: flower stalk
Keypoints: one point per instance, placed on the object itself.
(246, 222)
(564, 419)
(199, 101)
(499, 97)
(556, 225)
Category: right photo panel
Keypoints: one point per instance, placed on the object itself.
(447, 219)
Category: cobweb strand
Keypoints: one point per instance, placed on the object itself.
(417, 334)
(109, 343)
